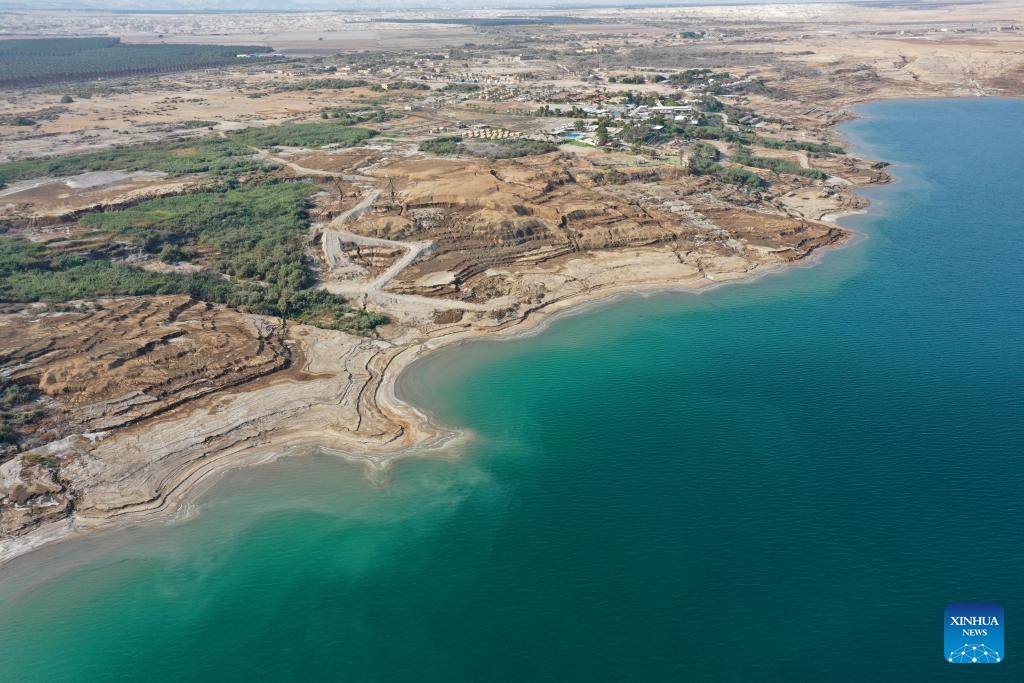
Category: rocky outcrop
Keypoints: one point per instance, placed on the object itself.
(114, 363)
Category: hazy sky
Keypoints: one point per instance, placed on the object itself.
(358, 5)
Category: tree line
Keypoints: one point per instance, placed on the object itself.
(30, 62)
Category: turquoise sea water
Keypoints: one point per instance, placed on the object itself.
(786, 480)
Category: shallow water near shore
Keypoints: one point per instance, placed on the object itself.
(782, 480)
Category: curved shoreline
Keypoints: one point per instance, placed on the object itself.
(581, 304)
(428, 436)
(418, 431)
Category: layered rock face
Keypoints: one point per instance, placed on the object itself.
(110, 366)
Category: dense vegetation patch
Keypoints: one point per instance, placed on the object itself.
(511, 149)
(443, 146)
(218, 157)
(27, 62)
(628, 79)
(703, 163)
(693, 76)
(399, 85)
(461, 87)
(813, 147)
(705, 151)
(35, 272)
(250, 242)
(223, 158)
(304, 135)
(743, 156)
(322, 309)
(323, 84)
(254, 232)
(58, 278)
(347, 116)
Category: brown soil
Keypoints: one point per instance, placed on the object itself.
(133, 358)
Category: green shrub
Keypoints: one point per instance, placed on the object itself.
(350, 117)
(251, 240)
(323, 309)
(304, 135)
(444, 146)
(741, 176)
(461, 87)
(323, 84)
(254, 232)
(732, 174)
(702, 150)
(400, 85)
(813, 147)
(218, 157)
(743, 156)
(512, 149)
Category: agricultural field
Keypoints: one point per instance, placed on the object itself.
(33, 62)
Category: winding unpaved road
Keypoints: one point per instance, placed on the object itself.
(267, 156)
(334, 235)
